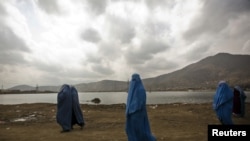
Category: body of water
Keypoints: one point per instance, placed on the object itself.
(165, 97)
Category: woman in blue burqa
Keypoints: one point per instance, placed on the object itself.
(223, 103)
(137, 123)
(69, 112)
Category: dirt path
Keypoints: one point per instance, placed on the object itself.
(169, 122)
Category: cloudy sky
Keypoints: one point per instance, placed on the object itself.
(51, 42)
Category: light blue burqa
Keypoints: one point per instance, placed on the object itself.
(137, 123)
(223, 103)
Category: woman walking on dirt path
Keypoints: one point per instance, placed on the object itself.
(137, 123)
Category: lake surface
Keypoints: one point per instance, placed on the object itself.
(164, 97)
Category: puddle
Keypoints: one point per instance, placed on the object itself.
(22, 119)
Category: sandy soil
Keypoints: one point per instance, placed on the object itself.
(169, 122)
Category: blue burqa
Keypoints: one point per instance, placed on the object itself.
(240, 105)
(77, 116)
(137, 123)
(68, 108)
(223, 103)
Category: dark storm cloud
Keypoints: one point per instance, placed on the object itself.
(10, 41)
(216, 15)
(90, 35)
(120, 29)
(147, 50)
(12, 47)
(97, 6)
(49, 6)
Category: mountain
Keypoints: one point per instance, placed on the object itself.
(205, 74)
(202, 75)
(22, 88)
(34, 89)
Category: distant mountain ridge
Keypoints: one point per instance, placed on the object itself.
(202, 75)
(205, 74)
